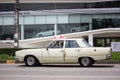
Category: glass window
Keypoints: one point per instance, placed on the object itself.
(74, 18)
(1, 20)
(106, 23)
(85, 26)
(63, 28)
(6, 32)
(0, 32)
(97, 23)
(62, 18)
(29, 20)
(51, 19)
(118, 16)
(21, 20)
(98, 16)
(110, 16)
(74, 28)
(56, 44)
(86, 18)
(86, 21)
(40, 20)
(87, 44)
(70, 28)
(8, 20)
(71, 44)
(42, 30)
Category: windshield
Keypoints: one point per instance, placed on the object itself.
(87, 44)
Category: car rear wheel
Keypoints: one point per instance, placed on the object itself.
(31, 61)
(85, 61)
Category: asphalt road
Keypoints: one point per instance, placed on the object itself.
(60, 72)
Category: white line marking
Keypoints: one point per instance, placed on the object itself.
(42, 76)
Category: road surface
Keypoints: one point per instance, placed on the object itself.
(60, 72)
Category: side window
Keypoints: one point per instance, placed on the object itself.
(56, 44)
(71, 44)
(51, 45)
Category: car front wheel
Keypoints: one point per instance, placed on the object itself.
(30, 61)
(85, 61)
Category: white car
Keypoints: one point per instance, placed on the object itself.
(47, 33)
(64, 51)
(78, 29)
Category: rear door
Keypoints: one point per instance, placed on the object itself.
(72, 50)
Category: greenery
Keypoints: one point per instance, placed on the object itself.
(6, 57)
(9, 51)
(115, 56)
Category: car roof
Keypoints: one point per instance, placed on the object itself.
(68, 39)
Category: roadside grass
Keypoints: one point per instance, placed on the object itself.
(115, 56)
(6, 57)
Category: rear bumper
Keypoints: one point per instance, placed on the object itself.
(108, 56)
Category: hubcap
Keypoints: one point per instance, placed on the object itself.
(30, 60)
(85, 61)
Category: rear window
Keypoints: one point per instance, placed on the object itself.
(87, 44)
(71, 44)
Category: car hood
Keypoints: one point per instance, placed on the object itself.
(30, 51)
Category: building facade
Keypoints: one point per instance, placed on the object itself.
(39, 20)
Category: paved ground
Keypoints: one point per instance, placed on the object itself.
(60, 72)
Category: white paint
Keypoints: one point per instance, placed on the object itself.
(90, 38)
(22, 32)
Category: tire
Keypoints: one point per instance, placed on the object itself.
(73, 30)
(40, 35)
(85, 61)
(31, 61)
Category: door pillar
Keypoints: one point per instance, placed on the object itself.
(90, 39)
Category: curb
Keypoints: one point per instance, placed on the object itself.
(108, 62)
(10, 61)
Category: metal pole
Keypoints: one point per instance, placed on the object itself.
(16, 32)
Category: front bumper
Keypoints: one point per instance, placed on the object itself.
(16, 59)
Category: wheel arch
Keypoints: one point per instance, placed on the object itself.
(93, 61)
(33, 56)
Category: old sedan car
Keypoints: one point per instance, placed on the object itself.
(64, 51)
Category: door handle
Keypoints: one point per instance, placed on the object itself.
(77, 50)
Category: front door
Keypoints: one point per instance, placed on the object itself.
(55, 51)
